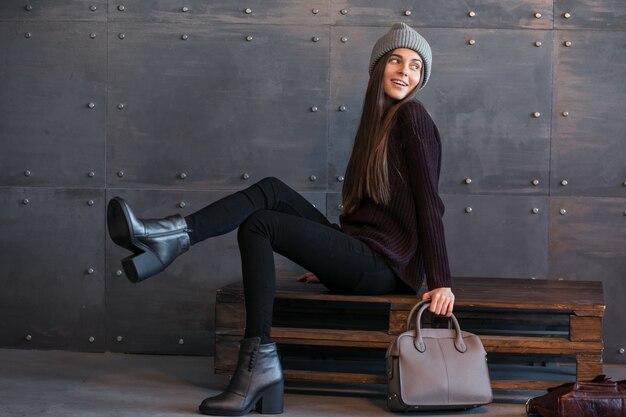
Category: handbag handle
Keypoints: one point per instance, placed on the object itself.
(418, 342)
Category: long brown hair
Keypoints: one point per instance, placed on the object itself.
(367, 173)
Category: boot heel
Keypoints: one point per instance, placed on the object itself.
(141, 266)
(272, 399)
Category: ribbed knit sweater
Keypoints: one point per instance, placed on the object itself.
(408, 231)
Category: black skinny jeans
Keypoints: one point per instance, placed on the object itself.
(272, 217)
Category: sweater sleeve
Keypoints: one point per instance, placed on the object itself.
(422, 149)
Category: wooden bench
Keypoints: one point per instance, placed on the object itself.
(514, 317)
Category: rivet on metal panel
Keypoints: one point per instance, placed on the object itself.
(342, 108)
(92, 339)
(471, 42)
(344, 11)
(536, 114)
(624, 184)
(535, 210)
(538, 15)
(91, 105)
(91, 174)
(182, 175)
(25, 201)
(119, 338)
(93, 8)
(472, 14)
(121, 106)
(27, 173)
(340, 206)
(565, 114)
(407, 13)
(535, 182)
(315, 38)
(344, 39)
(119, 272)
(184, 9)
(622, 351)
(29, 337)
(249, 38)
(181, 341)
(120, 174)
(248, 11)
(90, 202)
(340, 178)
(245, 176)
(29, 8)
(27, 35)
(538, 44)
(121, 8)
(92, 35)
(314, 109)
(184, 37)
(562, 211)
(91, 271)
(121, 35)
(182, 204)
(567, 43)
(315, 11)
(567, 15)
(467, 181)
(468, 209)
(312, 178)
(564, 182)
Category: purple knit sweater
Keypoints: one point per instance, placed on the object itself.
(409, 231)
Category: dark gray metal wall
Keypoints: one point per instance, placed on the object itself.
(173, 104)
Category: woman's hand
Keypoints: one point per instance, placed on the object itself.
(308, 277)
(441, 301)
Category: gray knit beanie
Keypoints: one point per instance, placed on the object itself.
(403, 36)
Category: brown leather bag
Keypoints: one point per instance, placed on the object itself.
(436, 369)
(599, 397)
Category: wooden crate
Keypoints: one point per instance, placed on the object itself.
(536, 318)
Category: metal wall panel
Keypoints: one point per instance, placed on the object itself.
(500, 236)
(57, 10)
(173, 311)
(275, 12)
(449, 14)
(589, 144)
(483, 98)
(591, 14)
(52, 268)
(587, 238)
(50, 75)
(224, 108)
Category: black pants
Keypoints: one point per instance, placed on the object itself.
(274, 218)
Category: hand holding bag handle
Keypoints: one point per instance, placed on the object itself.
(459, 344)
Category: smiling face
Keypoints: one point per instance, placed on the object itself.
(403, 73)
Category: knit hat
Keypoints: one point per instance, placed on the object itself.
(402, 35)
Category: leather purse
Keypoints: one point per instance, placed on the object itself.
(598, 397)
(436, 369)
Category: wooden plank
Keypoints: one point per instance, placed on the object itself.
(585, 328)
(230, 315)
(588, 366)
(584, 297)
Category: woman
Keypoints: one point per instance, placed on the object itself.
(391, 232)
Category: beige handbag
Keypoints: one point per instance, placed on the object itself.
(436, 369)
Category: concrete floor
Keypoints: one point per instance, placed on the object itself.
(71, 384)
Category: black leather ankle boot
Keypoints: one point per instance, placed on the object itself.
(257, 382)
(154, 242)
